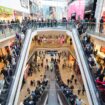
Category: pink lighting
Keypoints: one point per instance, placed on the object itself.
(77, 7)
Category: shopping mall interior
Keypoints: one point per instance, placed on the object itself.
(52, 52)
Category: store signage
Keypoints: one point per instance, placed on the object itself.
(4, 10)
(24, 3)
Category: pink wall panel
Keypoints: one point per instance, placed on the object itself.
(77, 7)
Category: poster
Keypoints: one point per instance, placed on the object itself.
(79, 7)
(52, 12)
(4, 10)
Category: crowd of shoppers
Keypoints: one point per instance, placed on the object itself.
(82, 25)
(35, 95)
(56, 58)
(89, 25)
(8, 70)
(26, 23)
(98, 71)
(67, 91)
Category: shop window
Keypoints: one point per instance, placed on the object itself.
(102, 49)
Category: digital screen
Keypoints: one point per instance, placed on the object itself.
(79, 7)
(89, 5)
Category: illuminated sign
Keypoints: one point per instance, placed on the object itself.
(4, 10)
(102, 49)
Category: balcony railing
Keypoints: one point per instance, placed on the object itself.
(7, 30)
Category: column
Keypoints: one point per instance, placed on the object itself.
(23, 15)
(98, 13)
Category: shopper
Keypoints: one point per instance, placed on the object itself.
(75, 81)
(83, 90)
(101, 24)
(79, 91)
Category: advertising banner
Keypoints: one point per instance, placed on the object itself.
(4, 10)
(52, 12)
(18, 5)
(79, 7)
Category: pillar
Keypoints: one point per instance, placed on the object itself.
(98, 13)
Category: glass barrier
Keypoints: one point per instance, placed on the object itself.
(11, 59)
(91, 28)
(7, 30)
(8, 70)
(88, 49)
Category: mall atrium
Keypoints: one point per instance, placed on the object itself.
(52, 52)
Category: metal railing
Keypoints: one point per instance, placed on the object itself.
(7, 30)
(97, 29)
(62, 96)
(17, 79)
(93, 75)
(44, 97)
(91, 90)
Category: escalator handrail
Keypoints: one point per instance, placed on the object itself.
(12, 97)
(90, 84)
(62, 96)
(43, 96)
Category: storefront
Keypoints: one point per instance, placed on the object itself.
(6, 13)
(74, 64)
(4, 51)
(80, 9)
(99, 47)
(76, 9)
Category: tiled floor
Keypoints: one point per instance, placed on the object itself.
(65, 74)
(36, 76)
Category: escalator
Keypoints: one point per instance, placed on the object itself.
(91, 89)
(53, 94)
(52, 99)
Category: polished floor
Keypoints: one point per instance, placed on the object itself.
(65, 74)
